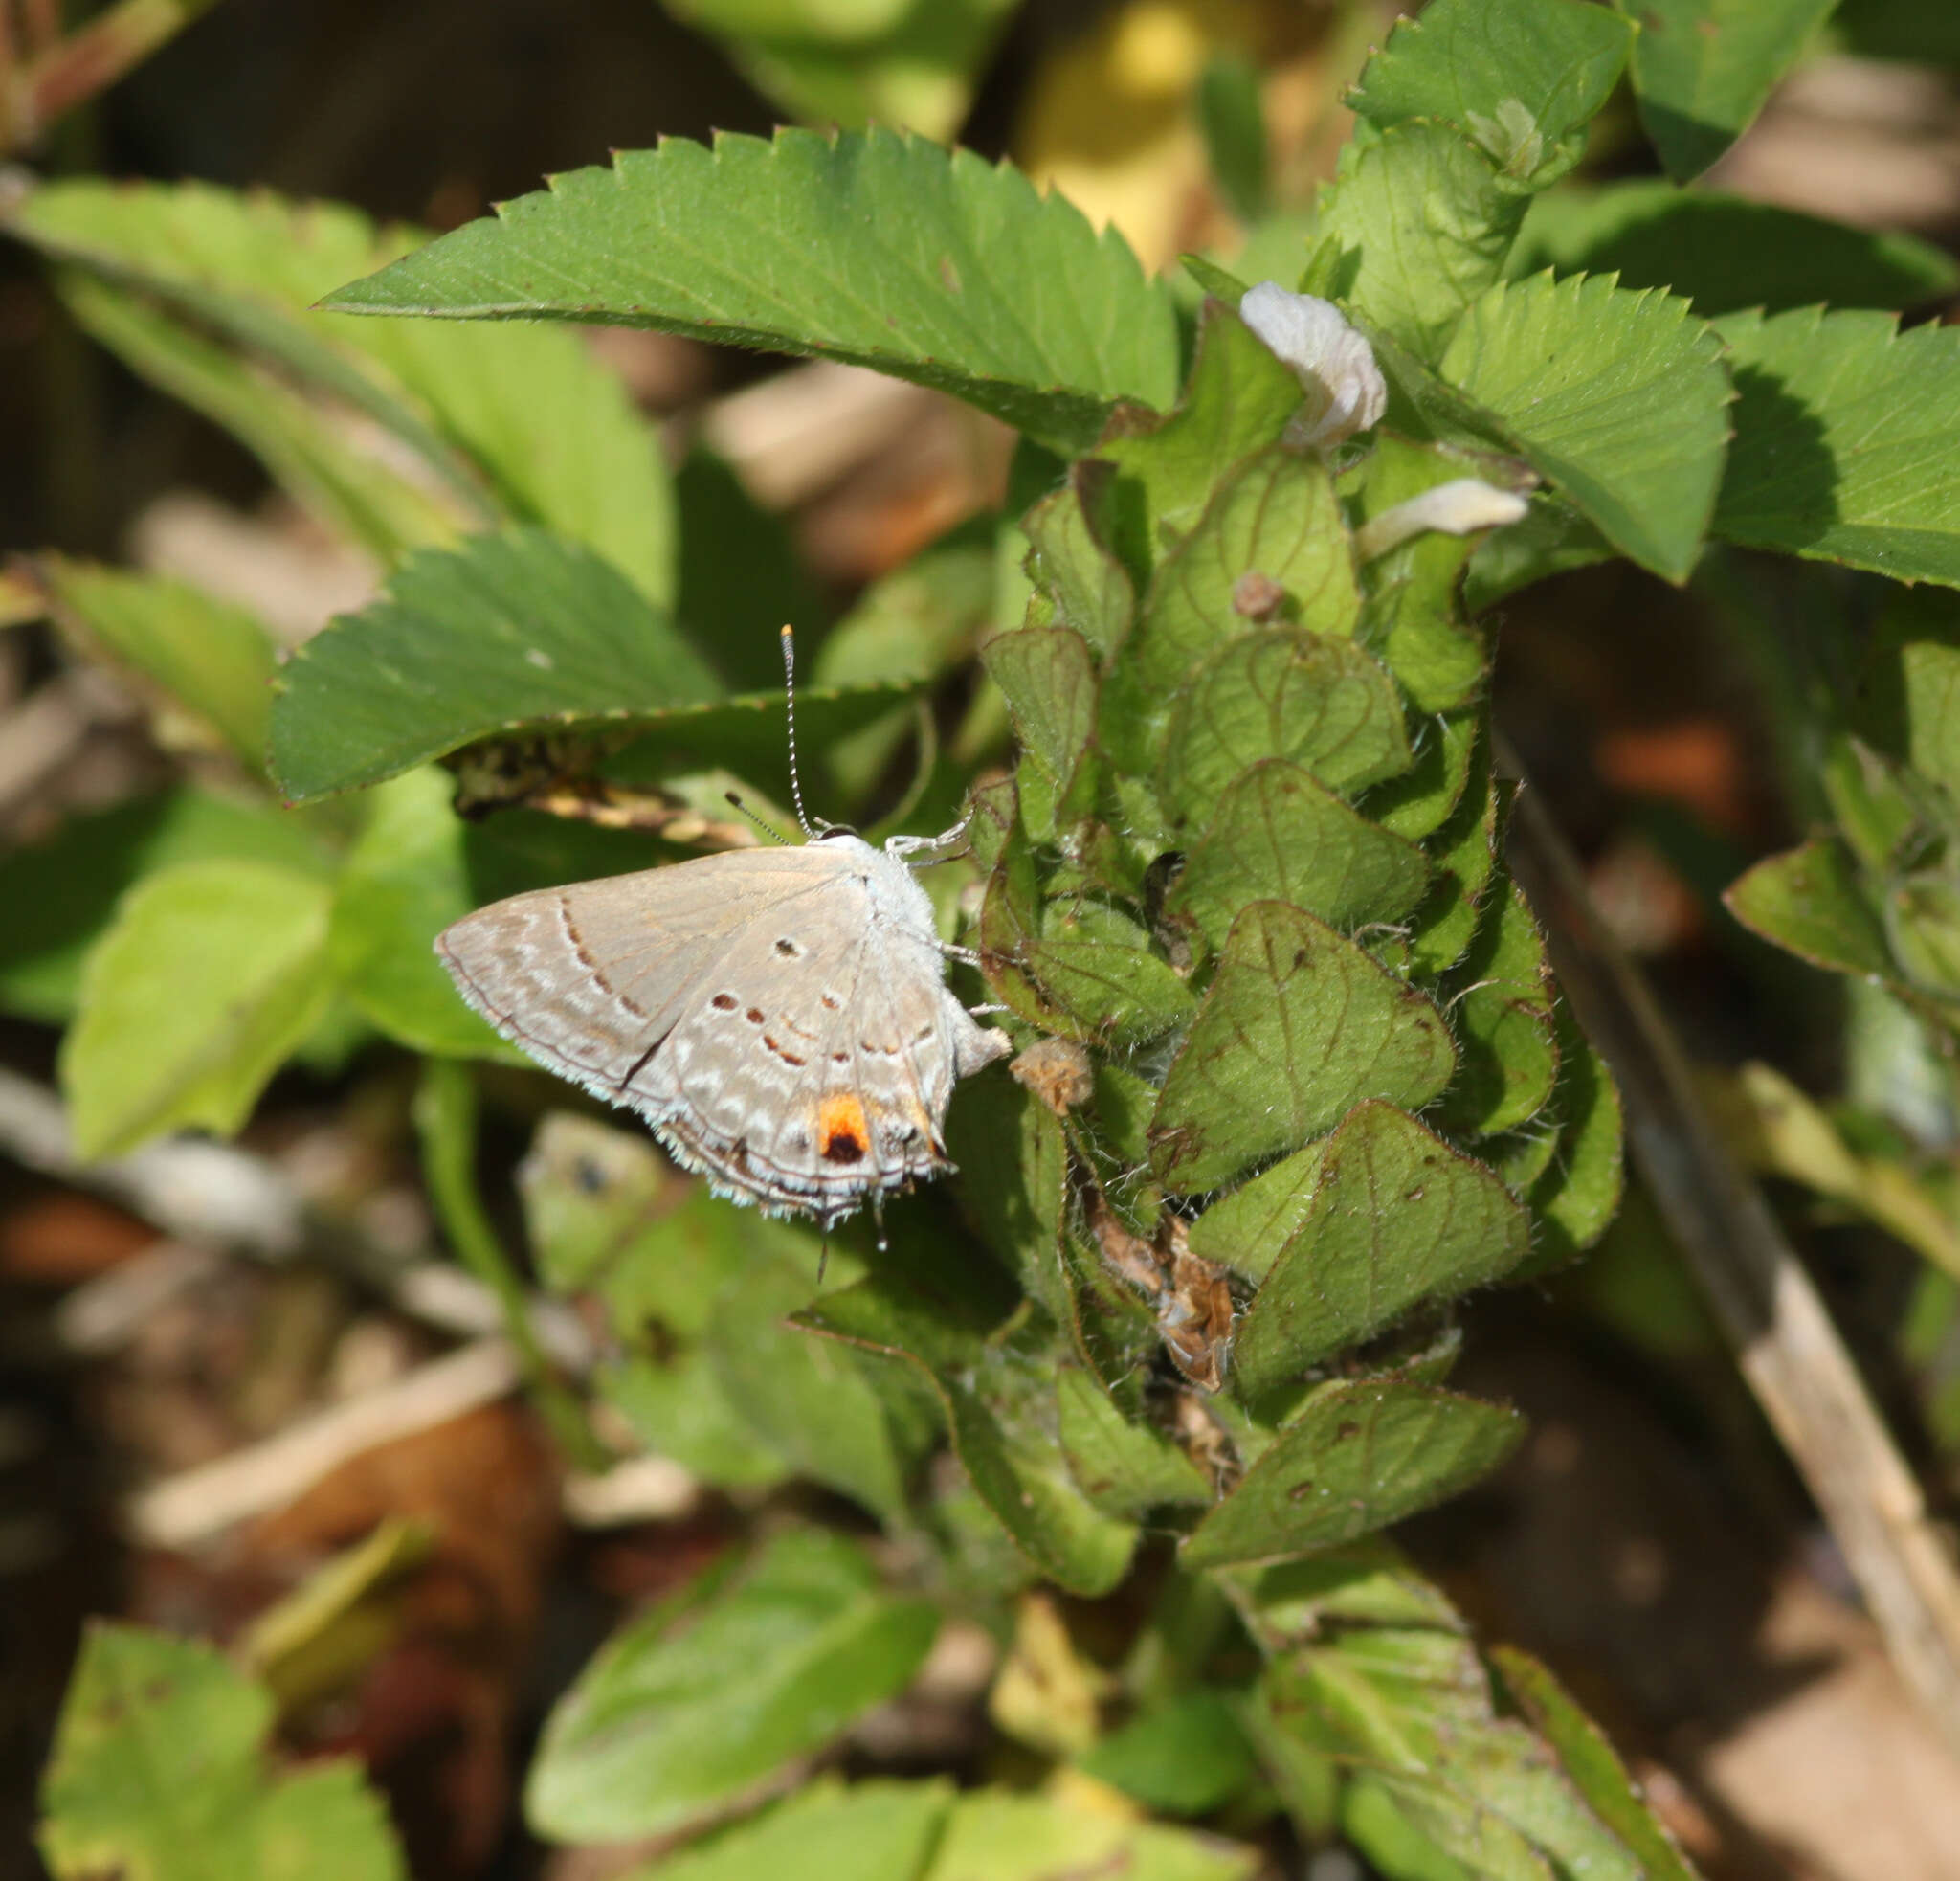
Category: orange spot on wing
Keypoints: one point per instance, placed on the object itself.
(842, 1133)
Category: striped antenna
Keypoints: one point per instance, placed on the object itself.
(790, 699)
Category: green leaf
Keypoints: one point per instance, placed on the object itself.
(60, 893)
(1350, 1234)
(212, 974)
(1014, 1176)
(1520, 79)
(1279, 835)
(1591, 1764)
(1359, 1454)
(507, 632)
(1323, 703)
(912, 63)
(1841, 430)
(881, 1831)
(1126, 1468)
(1502, 1014)
(1574, 1197)
(1449, 752)
(348, 476)
(677, 1409)
(1244, 1087)
(213, 660)
(1275, 517)
(1463, 856)
(515, 422)
(1453, 224)
(417, 866)
(1000, 1409)
(1231, 116)
(701, 1698)
(1703, 68)
(871, 247)
(996, 1835)
(1727, 253)
(807, 1398)
(1048, 676)
(1088, 587)
(159, 1773)
(1618, 398)
(1187, 1758)
(1810, 900)
(1237, 401)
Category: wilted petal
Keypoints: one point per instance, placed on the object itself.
(1334, 363)
(1456, 508)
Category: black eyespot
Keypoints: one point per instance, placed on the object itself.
(788, 948)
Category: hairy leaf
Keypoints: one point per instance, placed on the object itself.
(1299, 1025)
(1348, 1234)
(1358, 1455)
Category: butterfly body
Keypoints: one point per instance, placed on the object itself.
(780, 1017)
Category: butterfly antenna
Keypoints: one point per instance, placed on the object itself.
(768, 828)
(789, 703)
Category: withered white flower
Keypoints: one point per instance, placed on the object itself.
(1333, 363)
(1460, 508)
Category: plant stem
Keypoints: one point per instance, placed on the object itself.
(1787, 1347)
(446, 1113)
(57, 78)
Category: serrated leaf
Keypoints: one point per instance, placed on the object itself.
(506, 631)
(1275, 517)
(1000, 1405)
(1453, 222)
(520, 423)
(211, 659)
(1841, 423)
(1810, 900)
(1358, 1455)
(60, 893)
(1280, 835)
(1619, 398)
(211, 975)
(702, 1698)
(871, 247)
(1125, 1468)
(1350, 1234)
(1244, 1087)
(1521, 80)
(1727, 253)
(881, 1831)
(1703, 68)
(1001, 1835)
(159, 1773)
(1502, 1014)
(1323, 703)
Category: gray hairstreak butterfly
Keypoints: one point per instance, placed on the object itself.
(780, 1017)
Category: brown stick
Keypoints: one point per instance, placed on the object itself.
(60, 76)
(1786, 1344)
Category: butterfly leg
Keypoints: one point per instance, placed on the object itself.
(913, 845)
